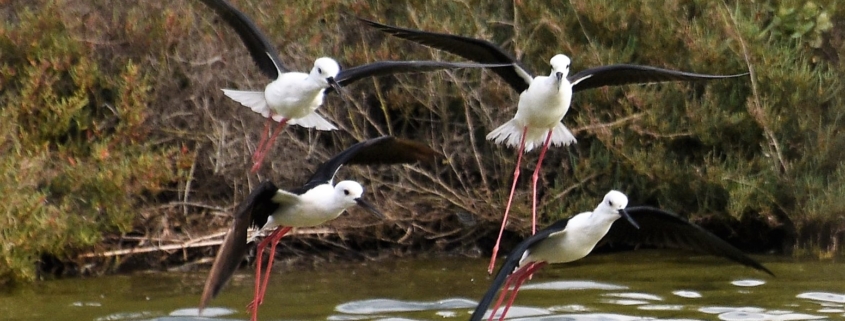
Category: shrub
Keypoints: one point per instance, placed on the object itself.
(76, 157)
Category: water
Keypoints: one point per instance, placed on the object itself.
(623, 286)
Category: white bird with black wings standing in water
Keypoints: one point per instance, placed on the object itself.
(293, 97)
(571, 239)
(314, 203)
(543, 100)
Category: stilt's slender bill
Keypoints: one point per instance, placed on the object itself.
(543, 100)
(314, 203)
(293, 97)
(571, 239)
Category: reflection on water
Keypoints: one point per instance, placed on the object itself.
(626, 286)
(572, 285)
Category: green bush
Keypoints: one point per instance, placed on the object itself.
(114, 123)
(76, 157)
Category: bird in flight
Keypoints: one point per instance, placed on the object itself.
(571, 239)
(293, 97)
(317, 201)
(543, 100)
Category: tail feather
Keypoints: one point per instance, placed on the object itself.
(562, 136)
(252, 99)
(313, 120)
(510, 133)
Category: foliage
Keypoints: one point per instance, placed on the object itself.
(794, 20)
(768, 145)
(116, 125)
(75, 151)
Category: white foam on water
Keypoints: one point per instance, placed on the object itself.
(389, 305)
(687, 294)
(748, 282)
(823, 296)
(635, 296)
(573, 285)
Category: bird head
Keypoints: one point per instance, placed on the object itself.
(327, 69)
(614, 203)
(350, 192)
(560, 66)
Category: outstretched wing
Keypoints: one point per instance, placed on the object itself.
(234, 246)
(382, 68)
(376, 151)
(664, 229)
(511, 263)
(516, 75)
(259, 47)
(615, 75)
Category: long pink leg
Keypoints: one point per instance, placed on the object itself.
(258, 262)
(252, 307)
(534, 183)
(502, 295)
(263, 140)
(268, 145)
(521, 278)
(270, 261)
(510, 198)
(506, 288)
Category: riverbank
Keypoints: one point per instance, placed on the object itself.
(118, 137)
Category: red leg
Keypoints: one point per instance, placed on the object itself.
(258, 261)
(534, 179)
(502, 295)
(263, 140)
(270, 261)
(506, 289)
(523, 275)
(269, 144)
(252, 307)
(510, 198)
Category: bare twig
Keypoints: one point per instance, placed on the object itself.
(204, 241)
(756, 109)
(607, 125)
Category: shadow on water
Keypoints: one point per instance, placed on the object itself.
(621, 286)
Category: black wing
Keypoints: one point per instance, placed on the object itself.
(665, 229)
(382, 68)
(511, 262)
(259, 47)
(614, 75)
(470, 48)
(376, 151)
(234, 246)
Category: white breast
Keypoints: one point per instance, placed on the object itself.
(294, 95)
(542, 105)
(315, 207)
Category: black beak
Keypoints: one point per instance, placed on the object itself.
(629, 218)
(362, 203)
(559, 76)
(337, 88)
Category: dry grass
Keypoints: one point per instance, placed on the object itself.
(767, 147)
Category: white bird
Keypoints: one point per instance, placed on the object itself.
(543, 100)
(314, 203)
(571, 239)
(293, 97)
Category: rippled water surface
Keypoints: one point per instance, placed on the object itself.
(626, 286)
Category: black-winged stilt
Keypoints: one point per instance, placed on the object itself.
(543, 100)
(571, 239)
(315, 202)
(293, 97)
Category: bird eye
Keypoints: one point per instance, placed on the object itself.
(346, 192)
(319, 70)
(609, 203)
(567, 66)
